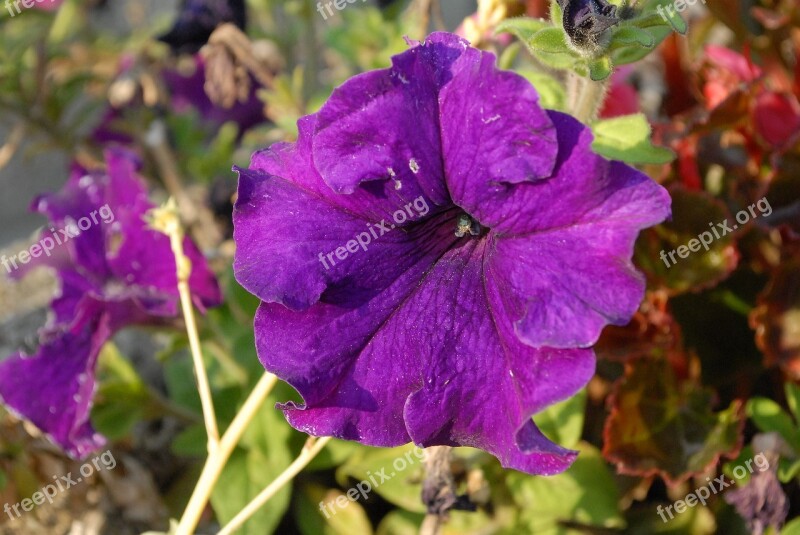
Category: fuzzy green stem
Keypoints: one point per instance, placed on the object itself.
(586, 97)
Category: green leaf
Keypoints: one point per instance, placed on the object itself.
(550, 41)
(769, 416)
(556, 15)
(552, 95)
(394, 473)
(334, 454)
(459, 523)
(676, 21)
(661, 424)
(654, 19)
(626, 54)
(246, 474)
(792, 528)
(550, 47)
(788, 470)
(586, 493)
(702, 266)
(600, 68)
(191, 442)
(509, 56)
(400, 523)
(263, 454)
(631, 35)
(524, 28)
(563, 422)
(318, 513)
(627, 139)
(122, 397)
(793, 399)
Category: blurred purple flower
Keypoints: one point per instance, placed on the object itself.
(187, 90)
(114, 271)
(198, 19)
(393, 328)
(761, 502)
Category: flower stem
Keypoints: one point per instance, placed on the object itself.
(217, 459)
(310, 450)
(438, 489)
(586, 97)
(166, 220)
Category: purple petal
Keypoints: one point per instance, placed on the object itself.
(54, 388)
(494, 133)
(564, 245)
(115, 253)
(584, 189)
(479, 384)
(428, 360)
(288, 226)
(442, 101)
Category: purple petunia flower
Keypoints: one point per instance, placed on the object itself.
(197, 20)
(188, 91)
(435, 256)
(114, 271)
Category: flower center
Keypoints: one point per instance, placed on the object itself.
(467, 226)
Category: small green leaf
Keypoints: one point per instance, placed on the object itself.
(563, 422)
(551, 92)
(556, 15)
(392, 473)
(586, 494)
(628, 139)
(550, 41)
(245, 475)
(600, 68)
(509, 56)
(769, 416)
(666, 16)
(793, 399)
(631, 35)
(550, 47)
(122, 398)
(524, 28)
(788, 470)
(321, 511)
(191, 442)
(792, 528)
(661, 423)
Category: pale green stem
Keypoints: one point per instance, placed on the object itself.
(217, 459)
(311, 449)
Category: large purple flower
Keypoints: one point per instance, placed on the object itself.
(114, 271)
(435, 256)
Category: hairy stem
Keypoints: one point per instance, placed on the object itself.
(586, 97)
